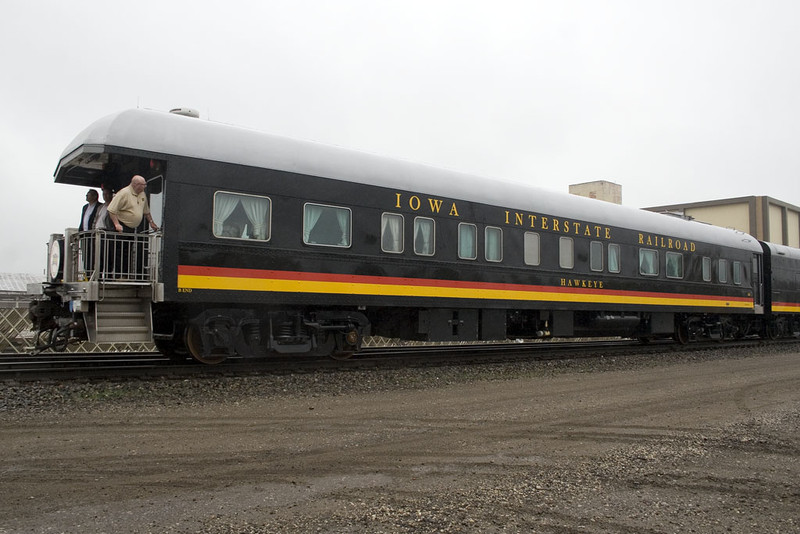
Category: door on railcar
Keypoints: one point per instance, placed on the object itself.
(155, 192)
(758, 283)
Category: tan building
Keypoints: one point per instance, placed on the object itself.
(599, 189)
(766, 218)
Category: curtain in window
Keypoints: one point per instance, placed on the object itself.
(223, 207)
(392, 234)
(467, 246)
(494, 240)
(647, 262)
(613, 259)
(343, 216)
(256, 210)
(311, 215)
(423, 238)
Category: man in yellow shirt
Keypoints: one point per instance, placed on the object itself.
(129, 206)
(126, 212)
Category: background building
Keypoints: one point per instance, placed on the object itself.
(765, 218)
(599, 189)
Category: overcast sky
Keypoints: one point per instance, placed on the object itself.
(677, 101)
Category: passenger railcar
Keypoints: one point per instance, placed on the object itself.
(274, 245)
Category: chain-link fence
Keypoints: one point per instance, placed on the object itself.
(18, 337)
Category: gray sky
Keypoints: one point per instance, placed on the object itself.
(677, 101)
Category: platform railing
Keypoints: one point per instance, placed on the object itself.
(100, 256)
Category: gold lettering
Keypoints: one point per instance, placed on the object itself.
(555, 225)
(577, 228)
(453, 210)
(597, 230)
(436, 204)
(608, 233)
(532, 218)
(544, 223)
(398, 200)
(414, 203)
(641, 239)
(692, 247)
(507, 217)
(563, 282)
(518, 219)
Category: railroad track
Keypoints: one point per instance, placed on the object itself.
(150, 365)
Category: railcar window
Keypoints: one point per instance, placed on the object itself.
(424, 236)
(532, 249)
(648, 262)
(326, 225)
(723, 271)
(494, 243)
(467, 241)
(674, 265)
(238, 216)
(566, 252)
(392, 233)
(596, 256)
(706, 269)
(613, 258)
(737, 273)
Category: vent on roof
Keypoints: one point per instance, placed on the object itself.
(186, 112)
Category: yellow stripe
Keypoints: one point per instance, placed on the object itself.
(342, 288)
(786, 309)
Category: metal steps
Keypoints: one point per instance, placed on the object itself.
(123, 320)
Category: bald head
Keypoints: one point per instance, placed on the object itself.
(138, 184)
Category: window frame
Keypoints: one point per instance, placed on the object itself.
(350, 225)
(667, 256)
(708, 268)
(654, 262)
(561, 249)
(595, 249)
(486, 243)
(474, 234)
(433, 236)
(617, 254)
(402, 232)
(538, 249)
(722, 271)
(267, 216)
(737, 273)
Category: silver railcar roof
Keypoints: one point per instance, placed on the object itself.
(172, 134)
(783, 250)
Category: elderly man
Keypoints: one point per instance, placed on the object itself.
(89, 211)
(129, 206)
(126, 212)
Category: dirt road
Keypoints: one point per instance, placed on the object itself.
(688, 446)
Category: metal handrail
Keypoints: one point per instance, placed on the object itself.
(101, 256)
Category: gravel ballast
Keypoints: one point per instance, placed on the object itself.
(680, 442)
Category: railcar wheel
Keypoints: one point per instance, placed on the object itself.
(346, 345)
(688, 330)
(773, 330)
(194, 342)
(682, 334)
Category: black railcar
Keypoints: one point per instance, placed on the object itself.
(274, 245)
